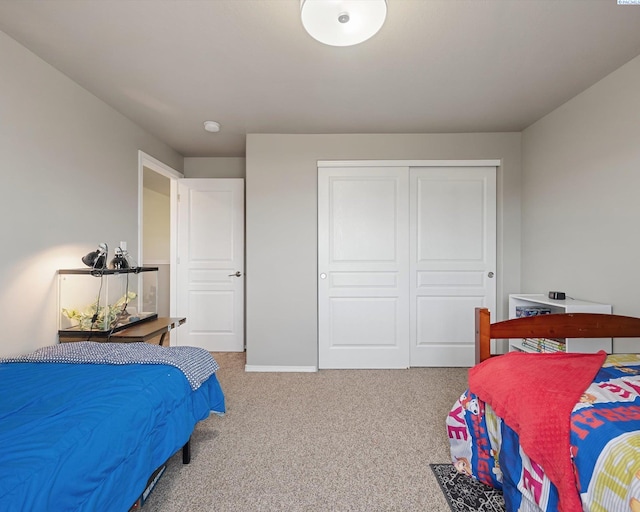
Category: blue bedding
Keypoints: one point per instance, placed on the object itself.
(86, 437)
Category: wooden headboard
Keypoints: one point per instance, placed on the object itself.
(561, 325)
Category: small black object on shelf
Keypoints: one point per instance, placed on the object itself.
(557, 295)
(119, 260)
(97, 259)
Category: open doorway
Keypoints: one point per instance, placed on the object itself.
(156, 233)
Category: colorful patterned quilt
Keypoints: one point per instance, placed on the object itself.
(605, 446)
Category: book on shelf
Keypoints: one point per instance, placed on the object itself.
(532, 311)
(544, 344)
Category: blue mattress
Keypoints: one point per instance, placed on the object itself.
(86, 437)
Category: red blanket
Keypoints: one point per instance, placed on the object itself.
(534, 394)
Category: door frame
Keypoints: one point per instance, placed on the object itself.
(410, 163)
(155, 165)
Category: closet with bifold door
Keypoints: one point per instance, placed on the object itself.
(406, 252)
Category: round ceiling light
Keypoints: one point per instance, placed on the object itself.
(212, 126)
(343, 22)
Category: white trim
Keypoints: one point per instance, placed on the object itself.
(145, 160)
(410, 163)
(266, 368)
(173, 248)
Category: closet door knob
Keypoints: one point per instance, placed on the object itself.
(490, 275)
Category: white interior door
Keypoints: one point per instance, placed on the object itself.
(210, 263)
(453, 260)
(363, 268)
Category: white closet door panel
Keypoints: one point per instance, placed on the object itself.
(439, 318)
(453, 260)
(364, 322)
(462, 278)
(363, 280)
(449, 227)
(363, 220)
(363, 268)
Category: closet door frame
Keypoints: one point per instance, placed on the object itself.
(408, 303)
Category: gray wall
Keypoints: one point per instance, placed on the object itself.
(214, 167)
(70, 169)
(581, 180)
(281, 226)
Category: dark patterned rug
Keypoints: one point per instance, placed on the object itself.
(466, 494)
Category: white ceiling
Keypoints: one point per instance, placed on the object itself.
(436, 66)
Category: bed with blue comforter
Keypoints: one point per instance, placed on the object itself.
(84, 425)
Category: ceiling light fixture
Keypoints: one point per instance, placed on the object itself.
(212, 126)
(343, 22)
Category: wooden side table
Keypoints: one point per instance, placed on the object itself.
(151, 331)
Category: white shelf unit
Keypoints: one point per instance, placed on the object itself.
(589, 345)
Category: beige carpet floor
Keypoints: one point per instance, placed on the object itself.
(335, 440)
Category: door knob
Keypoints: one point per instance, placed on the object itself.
(237, 274)
(490, 275)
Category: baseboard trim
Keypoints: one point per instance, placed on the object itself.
(266, 368)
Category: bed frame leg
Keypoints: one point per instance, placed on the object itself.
(186, 452)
